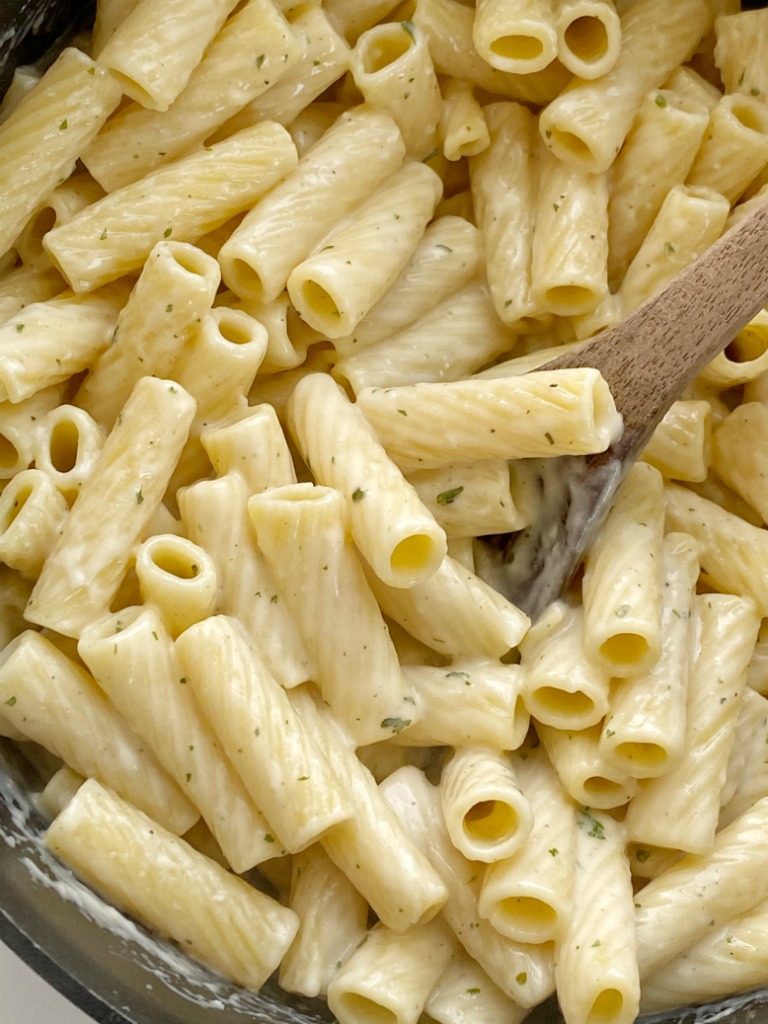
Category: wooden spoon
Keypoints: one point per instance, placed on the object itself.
(647, 360)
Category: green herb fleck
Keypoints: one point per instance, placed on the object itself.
(430, 156)
(549, 437)
(622, 611)
(103, 235)
(660, 100)
(358, 494)
(642, 855)
(139, 496)
(260, 60)
(409, 27)
(19, 328)
(183, 681)
(553, 851)
(590, 824)
(555, 207)
(521, 978)
(669, 248)
(10, 702)
(472, 991)
(395, 724)
(167, 233)
(269, 838)
(169, 308)
(448, 497)
(445, 248)
(458, 675)
(63, 126)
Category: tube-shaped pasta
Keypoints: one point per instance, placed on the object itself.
(177, 285)
(132, 658)
(658, 153)
(178, 578)
(47, 342)
(741, 39)
(586, 775)
(528, 896)
(215, 516)
(109, 15)
(185, 200)
(58, 791)
(448, 342)
(394, 531)
(261, 253)
(14, 594)
(372, 848)
(588, 122)
(622, 579)
(471, 500)
(155, 48)
(225, 80)
(562, 687)
(686, 81)
(58, 117)
(746, 780)
(740, 435)
(217, 916)
(255, 447)
(744, 362)
(447, 257)
(680, 446)
(67, 447)
(644, 732)
(333, 917)
(517, 36)
(31, 513)
(391, 974)
(23, 285)
(353, 17)
(596, 963)
(302, 531)
(53, 701)
(733, 552)
(487, 815)
(17, 428)
(471, 701)
(464, 992)
(358, 261)
(525, 973)
(697, 894)
(503, 192)
(542, 413)
(588, 36)
(24, 79)
(113, 509)
(735, 147)
(463, 128)
(60, 206)
(570, 245)
(392, 68)
(285, 771)
(680, 808)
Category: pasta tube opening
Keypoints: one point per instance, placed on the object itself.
(570, 144)
(642, 755)
(385, 49)
(533, 918)
(606, 1008)
(569, 299)
(587, 39)
(518, 47)
(63, 445)
(549, 701)
(356, 1007)
(14, 498)
(490, 820)
(626, 649)
(10, 459)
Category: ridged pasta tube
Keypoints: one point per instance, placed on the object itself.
(394, 531)
(741, 40)
(115, 505)
(588, 777)
(215, 915)
(67, 447)
(680, 446)
(185, 200)
(735, 147)
(178, 578)
(588, 122)
(588, 36)
(254, 447)
(463, 128)
(285, 770)
(464, 993)
(17, 428)
(517, 36)
(53, 701)
(132, 658)
(542, 413)
(302, 531)
(66, 200)
(23, 285)
(31, 513)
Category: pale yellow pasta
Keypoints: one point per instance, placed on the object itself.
(215, 516)
(14, 594)
(310, 124)
(184, 201)
(254, 446)
(644, 732)
(471, 701)
(288, 337)
(738, 454)
(464, 994)
(680, 809)
(746, 779)
(735, 147)
(329, 181)
(91, 555)
(458, 336)
(517, 36)
(562, 686)
(284, 769)
(486, 813)
(109, 15)
(733, 552)
(596, 963)
(545, 413)
(744, 361)
(25, 77)
(394, 531)
(60, 206)
(697, 894)
(333, 918)
(680, 445)
(525, 973)
(23, 285)
(32, 511)
(58, 117)
(658, 153)
(17, 428)
(391, 974)
(588, 36)
(463, 128)
(302, 531)
(359, 260)
(740, 52)
(132, 658)
(528, 896)
(46, 342)
(54, 702)
(503, 184)
(162, 880)
(155, 48)
(177, 578)
(392, 68)
(470, 500)
(353, 17)
(588, 777)
(686, 81)
(373, 848)
(67, 447)
(58, 791)
(588, 123)
(446, 258)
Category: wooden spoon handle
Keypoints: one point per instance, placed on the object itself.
(651, 355)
